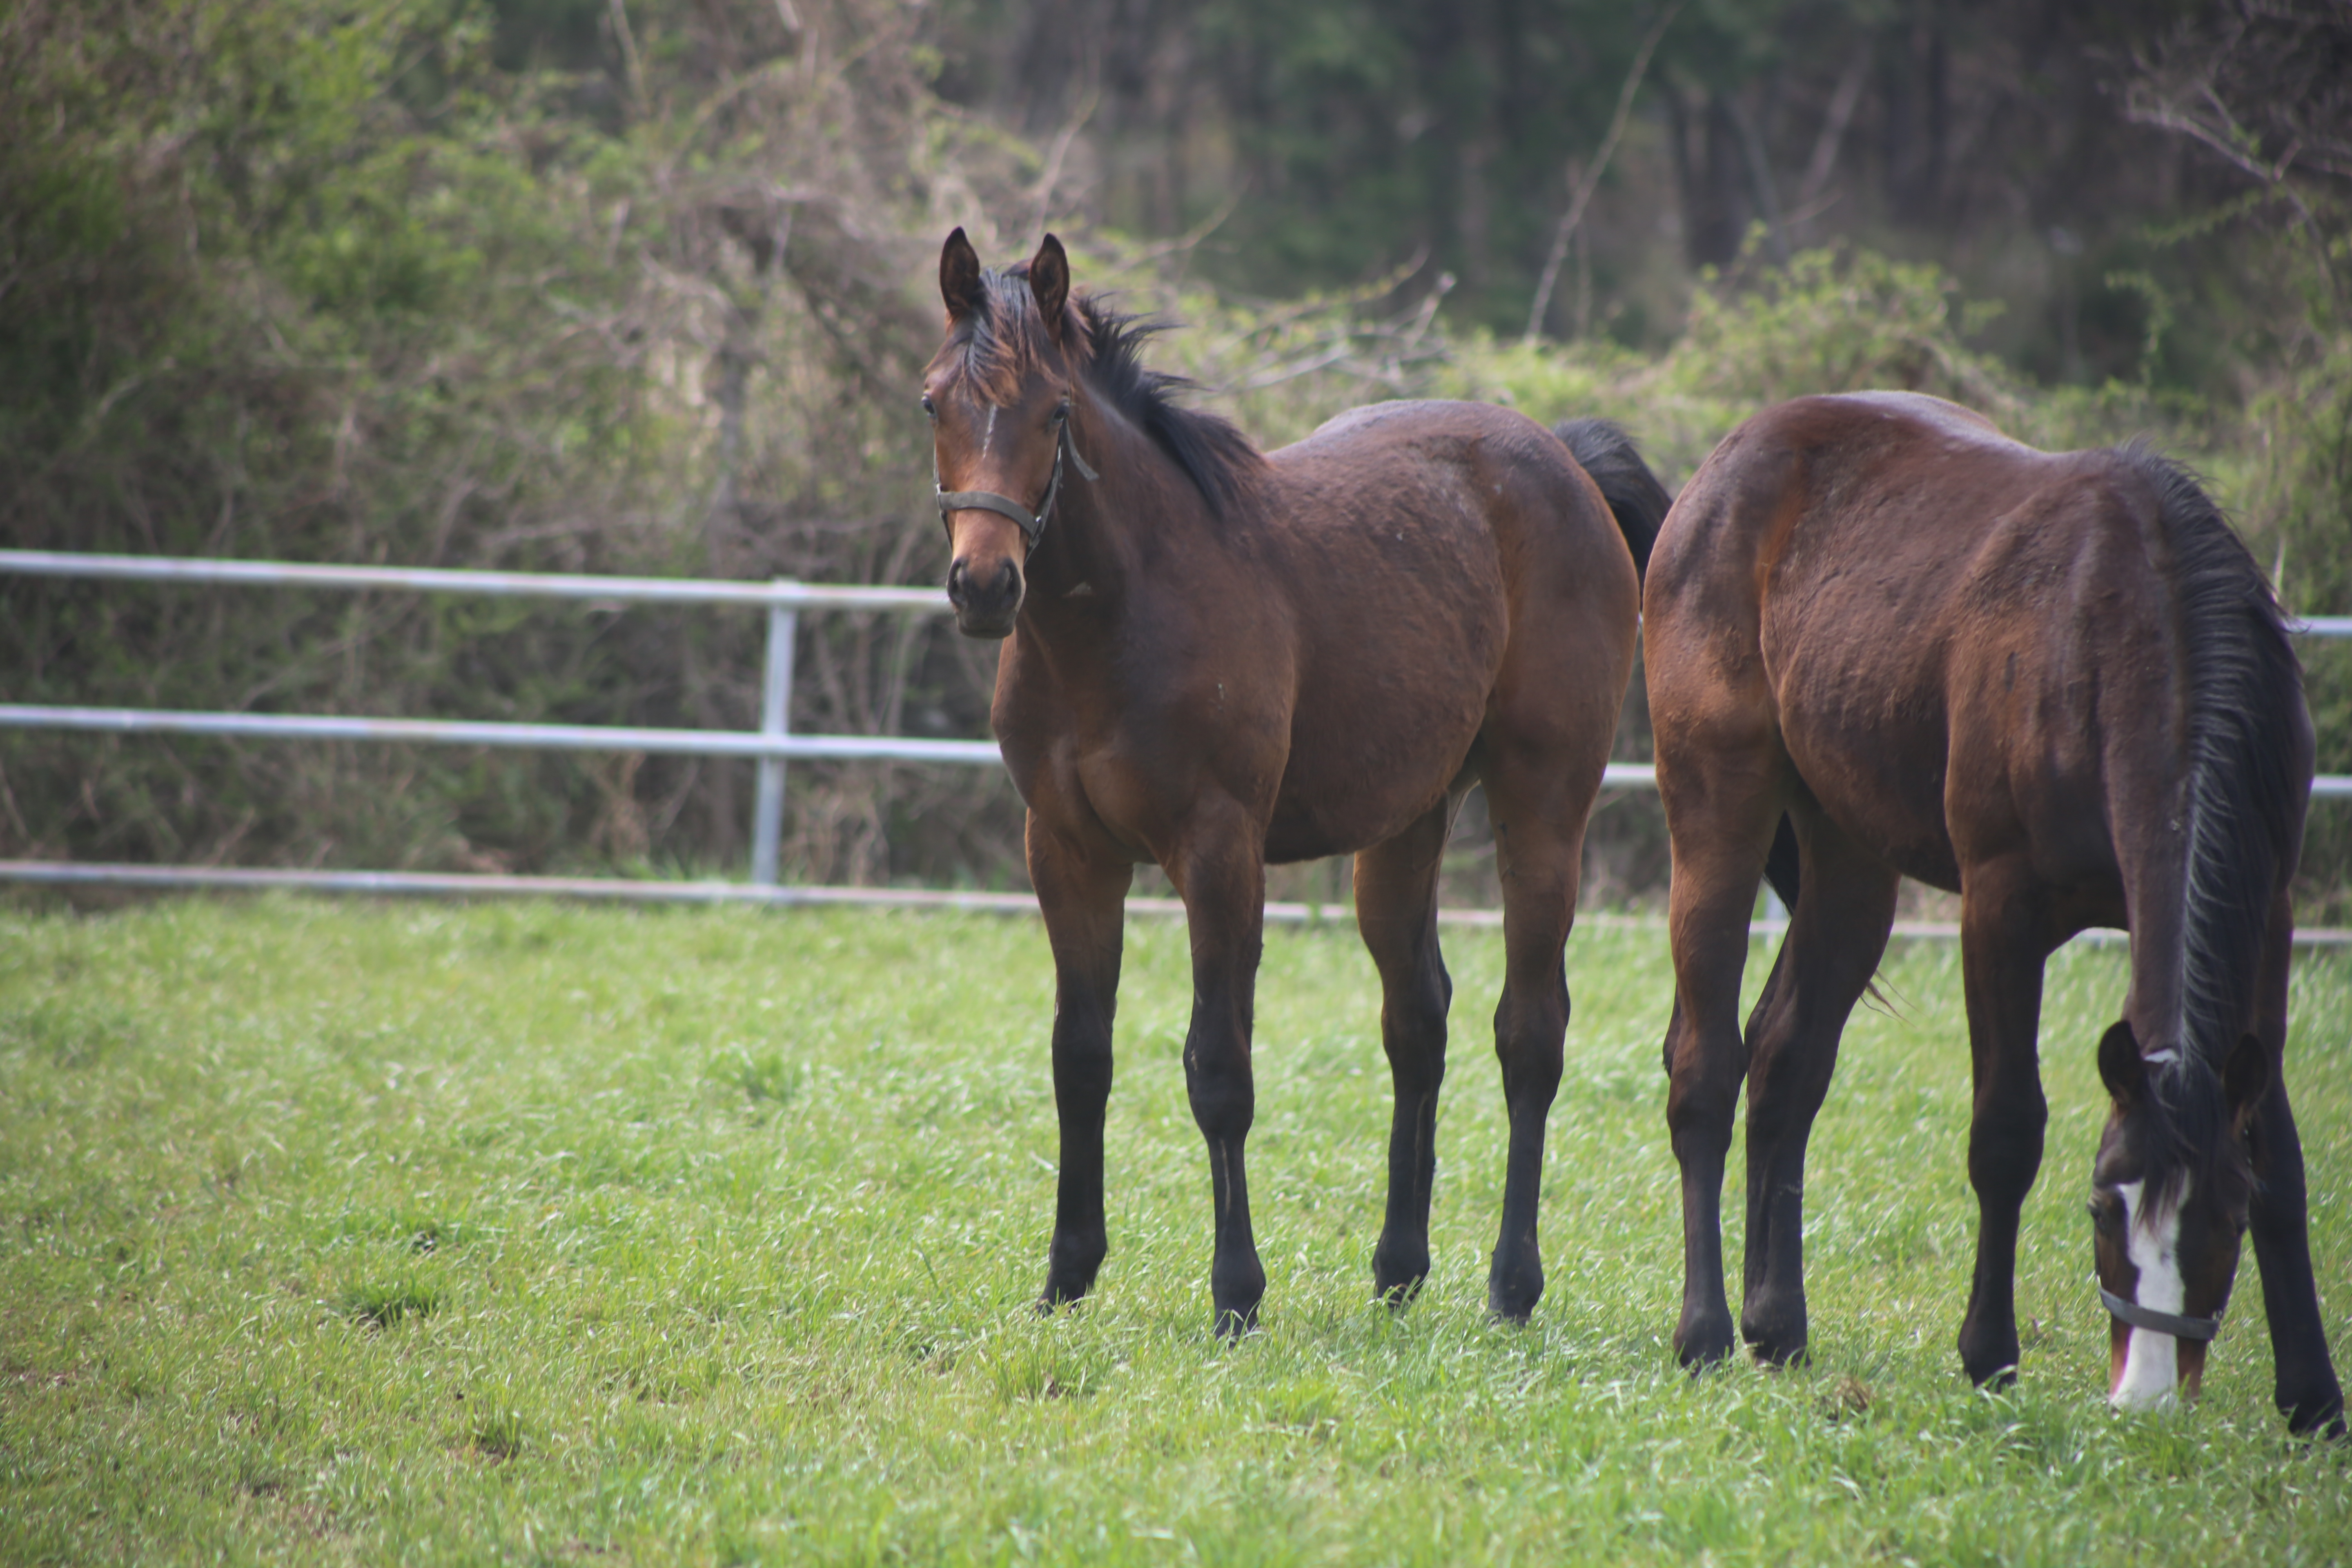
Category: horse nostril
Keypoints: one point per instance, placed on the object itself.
(1009, 581)
(959, 582)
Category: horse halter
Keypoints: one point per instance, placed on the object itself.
(2156, 1322)
(1033, 524)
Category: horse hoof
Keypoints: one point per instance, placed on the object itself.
(1512, 1292)
(1234, 1324)
(1702, 1342)
(1995, 1368)
(2320, 1417)
(1397, 1281)
(1055, 1296)
(1512, 1307)
(1774, 1340)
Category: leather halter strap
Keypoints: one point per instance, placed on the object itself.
(1033, 524)
(2156, 1322)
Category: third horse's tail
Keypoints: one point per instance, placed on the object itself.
(1633, 493)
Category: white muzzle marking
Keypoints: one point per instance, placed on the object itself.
(2151, 1360)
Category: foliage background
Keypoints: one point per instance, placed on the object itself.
(641, 286)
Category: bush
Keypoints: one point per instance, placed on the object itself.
(400, 285)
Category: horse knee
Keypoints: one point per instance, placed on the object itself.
(1413, 1030)
(2005, 1154)
(1082, 1072)
(1703, 1091)
(1223, 1105)
(1530, 1032)
(1782, 1104)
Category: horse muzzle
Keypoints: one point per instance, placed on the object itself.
(986, 596)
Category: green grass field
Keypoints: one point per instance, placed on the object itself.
(531, 1233)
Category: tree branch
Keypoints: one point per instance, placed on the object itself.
(1591, 181)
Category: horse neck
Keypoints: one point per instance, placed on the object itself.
(2225, 834)
(1088, 569)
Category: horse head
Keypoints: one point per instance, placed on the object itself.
(2169, 1193)
(999, 394)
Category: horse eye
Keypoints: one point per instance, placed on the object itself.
(929, 407)
(1061, 414)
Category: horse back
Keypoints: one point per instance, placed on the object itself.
(1963, 646)
(1433, 557)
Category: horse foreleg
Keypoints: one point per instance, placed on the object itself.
(2003, 945)
(1396, 911)
(1836, 935)
(2279, 1221)
(2306, 1387)
(1083, 901)
(1221, 876)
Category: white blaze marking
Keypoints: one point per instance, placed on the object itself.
(988, 436)
(2151, 1360)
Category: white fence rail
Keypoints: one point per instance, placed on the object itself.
(771, 745)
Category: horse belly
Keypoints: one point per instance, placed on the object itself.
(1373, 752)
(1874, 756)
(1336, 803)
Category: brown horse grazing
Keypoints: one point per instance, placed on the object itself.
(2057, 685)
(1213, 660)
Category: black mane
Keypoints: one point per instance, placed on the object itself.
(2244, 799)
(1003, 342)
(1213, 452)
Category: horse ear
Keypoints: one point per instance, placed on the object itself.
(2245, 1078)
(1049, 281)
(959, 276)
(2120, 1067)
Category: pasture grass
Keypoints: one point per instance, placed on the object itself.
(400, 1233)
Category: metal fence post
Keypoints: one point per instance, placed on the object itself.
(775, 719)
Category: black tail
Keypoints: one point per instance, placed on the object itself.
(1632, 492)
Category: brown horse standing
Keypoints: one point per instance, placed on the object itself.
(1213, 660)
(2057, 685)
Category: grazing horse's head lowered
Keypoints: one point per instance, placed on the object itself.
(2169, 1198)
(1001, 405)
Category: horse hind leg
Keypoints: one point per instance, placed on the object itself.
(1721, 809)
(1837, 933)
(1396, 911)
(1540, 811)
